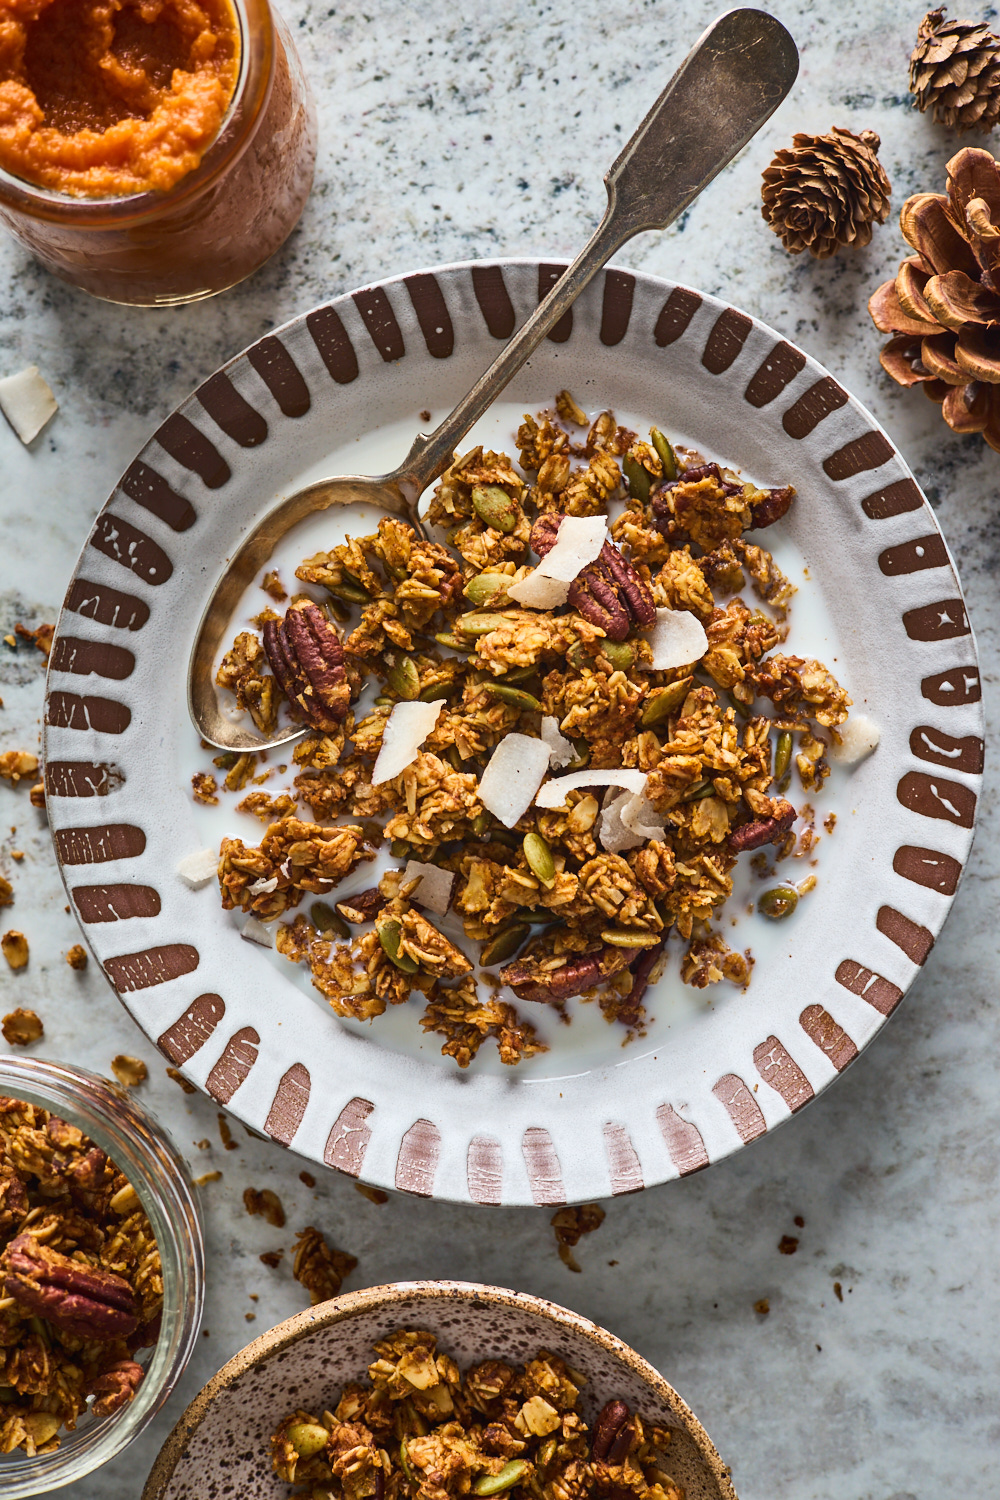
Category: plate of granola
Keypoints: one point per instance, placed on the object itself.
(439, 1388)
(630, 797)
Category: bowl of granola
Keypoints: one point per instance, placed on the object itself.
(439, 1388)
(102, 1272)
(629, 797)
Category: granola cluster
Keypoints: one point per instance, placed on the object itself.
(423, 1430)
(558, 905)
(82, 1285)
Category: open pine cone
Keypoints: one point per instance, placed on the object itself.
(955, 72)
(826, 191)
(943, 309)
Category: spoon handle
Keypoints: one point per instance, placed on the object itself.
(731, 81)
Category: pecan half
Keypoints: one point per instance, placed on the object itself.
(530, 981)
(90, 1303)
(608, 592)
(116, 1387)
(775, 504)
(764, 830)
(362, 907)
(612, 1420)
(305, 654)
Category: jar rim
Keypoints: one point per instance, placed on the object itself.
(141, 1148)
(249, 99)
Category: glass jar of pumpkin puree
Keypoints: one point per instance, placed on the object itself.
(152, 151)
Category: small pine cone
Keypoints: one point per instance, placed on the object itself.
(955, 72)
(826, 191)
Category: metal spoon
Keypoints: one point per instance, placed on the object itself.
(731, 81)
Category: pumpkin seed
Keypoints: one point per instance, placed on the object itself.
(539, 857)
(495, 1484)
(307, 1438)
(485, 586)
(621, 654)
(640, 481)
(404, 679)
(782, 754)
(577, 657)
(452, 754)
(504, 945)
(620, 937)
(546, 1453)
(520, 674)
(349, 593)
(404, 1460)
(436, 692)
(665, 702)
(668, 458)
(383, 702)
(445, 638)
(390, 935)
(339, 611)
(701, 790)
(399, 849)
(325, 919)
(495, 507)
(479, 622)
(480, 824)
(581, 756)
(780, 901)
(516, 697)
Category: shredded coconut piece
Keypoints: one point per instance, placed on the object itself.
(255, 932)
(579, 543)
(513, 776)
(198, 869)
(858, 738)
(434, 890)
(553, 793)
(408, 726)
(263, 887)
(639, 816)
(27, 402)
(677, 639)
(613, 834)
(561, 750)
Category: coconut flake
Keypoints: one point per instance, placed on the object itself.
(408, 726)
(513, 776)
(553, 793)
(256, 932)
(27, 402)
(858, 738)
(434, 890)
(198, 869)
(561, 750)
(677, 639)
(640, 816)
(578, 543)
(613, 834)
(263, 887)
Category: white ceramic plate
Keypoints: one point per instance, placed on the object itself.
(882, 593)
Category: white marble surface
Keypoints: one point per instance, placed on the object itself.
(463, 130)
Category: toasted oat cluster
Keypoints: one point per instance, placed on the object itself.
(644, 668)
(424, 1431)
(82, 1285)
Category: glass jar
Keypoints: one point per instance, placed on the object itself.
(220, 222)
(141, 1149)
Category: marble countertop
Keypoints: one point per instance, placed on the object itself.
(475, 130)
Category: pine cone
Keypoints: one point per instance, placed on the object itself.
(955, 71)
(943, 309)
(827, 191)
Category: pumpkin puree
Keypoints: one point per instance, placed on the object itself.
(104, 98)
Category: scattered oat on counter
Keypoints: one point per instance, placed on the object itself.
(22, 1027)
(15, 765)
(373, 1194)
(40, 638)
(763, 1307)
(226, 1135)
(308, 1179)
(272, 1258)
(318, 1267)
(180, 1080)
(36, 796)
(787, 1245)
(130, 1071)
(77, 956)
(571, 1224)
(15, 948)
(265, 1203)
(27, 401)
(6, 892)
(207, 1177)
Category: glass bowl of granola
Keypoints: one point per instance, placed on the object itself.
(102, 1268)
(679, 713)
(439, 1388)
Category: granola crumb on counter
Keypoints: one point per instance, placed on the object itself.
(15, 765)
(180, 1080)
(373, 1194)
(424, 1427)
(76, 957)
(265, 1203)
(14, 945)
(130, 1071)
(318, 1267)
(570, 1225)
(592, 896)
(22, 1027)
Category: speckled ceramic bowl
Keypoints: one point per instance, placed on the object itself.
(243, 1024)
(220, 1447)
